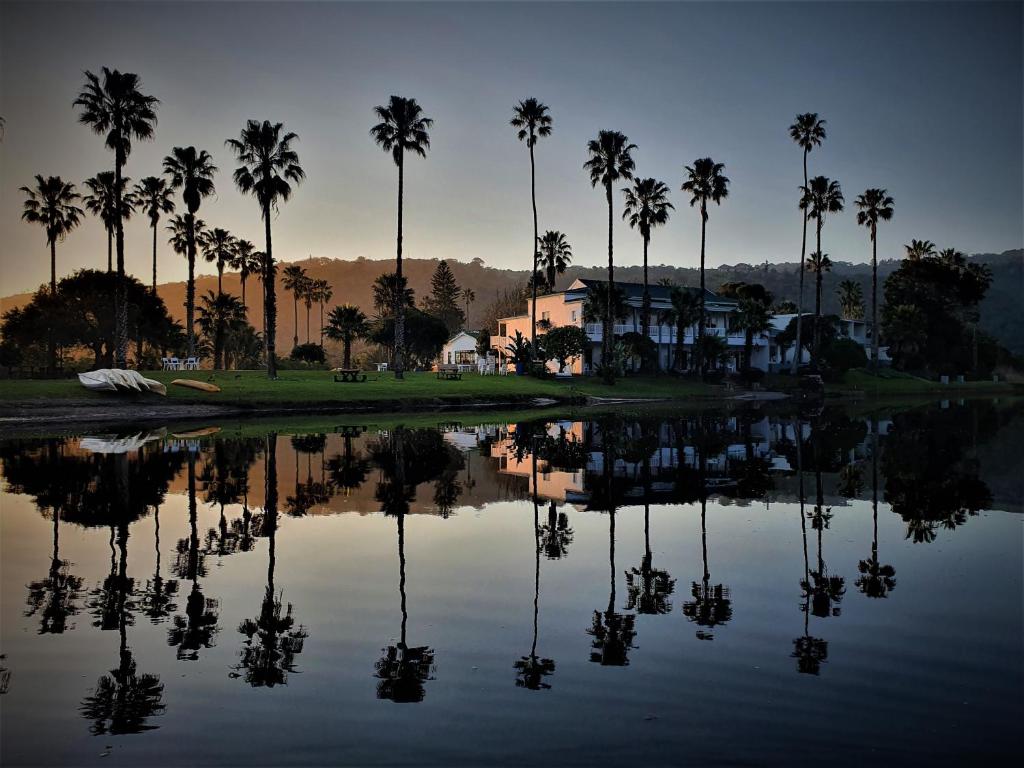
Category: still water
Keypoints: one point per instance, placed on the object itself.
(710, 587)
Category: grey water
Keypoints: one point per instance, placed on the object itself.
(760, 586)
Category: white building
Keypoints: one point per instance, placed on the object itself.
(566, 308)
(460, 349)
(856, 330)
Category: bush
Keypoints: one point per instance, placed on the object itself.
(309, 353)
(751, 376)
(842, 355)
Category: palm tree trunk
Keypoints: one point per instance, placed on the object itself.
(400, 306)
(606, 347)
(874, 298)
(645, 311)
(245, 309)
(308, 307)
(121, 301)
(817, 288)
(110, 250)
(220, 277)
(190, 286)
(533, 272)
(295, 302)
(800, 298)
(154, 258)
(702, 320)
(51, 347)
(321, 324)
(348, 351)
(269, 302)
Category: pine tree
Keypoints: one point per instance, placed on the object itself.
(443, 301)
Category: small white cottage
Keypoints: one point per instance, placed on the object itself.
(460, 349)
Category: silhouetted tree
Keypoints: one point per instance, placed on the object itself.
(154, 196)
(647, 206)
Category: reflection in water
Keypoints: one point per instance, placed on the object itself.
(924, 465)
(271, 639)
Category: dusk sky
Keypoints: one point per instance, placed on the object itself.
(924, 99)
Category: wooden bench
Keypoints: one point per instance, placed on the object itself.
(349, 375)
(449, 372)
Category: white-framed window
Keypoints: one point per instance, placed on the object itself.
(545, 316)
(574, 315)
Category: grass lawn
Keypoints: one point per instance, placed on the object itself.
(890, 382)
(318, 387)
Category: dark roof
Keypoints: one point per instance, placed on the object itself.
(658, 292)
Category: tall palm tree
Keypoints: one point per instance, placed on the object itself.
(155, 197)
(919, 249)
(705, 182)
(468, 296)
(851, 299)
(819, 263)
(874, 205)
(821, 196)
(268, 166)
(808, 131)
(683, 313)
(218, 248)
(322, 293)
(346, 324)
(295, 280)
(647, 206)
(51, 205)
(402, 128)
(247, 260)
(101, 200)
(610, 160)
(555, 256)
(533, 121)
(116, 109)
(217, 313)
(191, 170)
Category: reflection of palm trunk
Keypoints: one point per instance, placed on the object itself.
(401, 573)
(798, 436)
(536, 559)
(704, 539)
(270, 508)
(874, 488)
(193, 542)
(819, 499)
(611, 560)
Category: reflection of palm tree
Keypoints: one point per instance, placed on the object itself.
(876, 579)
(402, 671)
(648, 588)
(556, 535)
(123, 700)
(199, 625)
(348, 470)
(531, 670)
(56, 597)
(272, 641)
(810, 652)
(158, 598)
(826, 591)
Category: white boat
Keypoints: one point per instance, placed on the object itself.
(119, 380)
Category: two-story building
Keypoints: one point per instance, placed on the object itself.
(566, 308)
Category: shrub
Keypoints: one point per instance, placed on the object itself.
(842, 355)
(308, 353)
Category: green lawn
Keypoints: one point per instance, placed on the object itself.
(318, 387)
(890, 382)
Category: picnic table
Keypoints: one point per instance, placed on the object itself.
(349, 375)
(449, 372)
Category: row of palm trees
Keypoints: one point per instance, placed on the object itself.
(309, 291)
(268, 167)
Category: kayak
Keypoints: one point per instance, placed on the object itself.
(202, 386)
(119, 380)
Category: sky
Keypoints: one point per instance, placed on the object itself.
(923, 99)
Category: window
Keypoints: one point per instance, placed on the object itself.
(465, 357)
(545, 316)
(502, 330)
(574, 315)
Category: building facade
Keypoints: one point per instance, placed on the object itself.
(566, 308)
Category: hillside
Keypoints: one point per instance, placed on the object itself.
(1002, 312)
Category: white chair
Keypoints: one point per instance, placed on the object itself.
(165, 363)
(192, 364)
(174, 364)
(381, 367)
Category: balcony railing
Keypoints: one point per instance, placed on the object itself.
(667, 334)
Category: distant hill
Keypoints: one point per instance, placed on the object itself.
(352, 281)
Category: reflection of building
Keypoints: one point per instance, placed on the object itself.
(566, 308)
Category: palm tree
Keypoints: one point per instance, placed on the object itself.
(101, 201)
(647, 206)
(217, 313)
(322, 293)
(346, 324)
(919, 249)
(51, 205)
(753, 318)
(610, 160)
(704, 182)
(218, 247)
(119, 111)
(268, 168)
(819, 263)
(247, 260)
(808, 131)
(191, 171)
(555, 255)
(683, 313)
(874, 205)
(821, 196)
(155, 197)
(402, 128)
(295, 280)
(533, 121)
(469, 296)
(851, 299)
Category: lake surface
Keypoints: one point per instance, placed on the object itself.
(704, 588)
